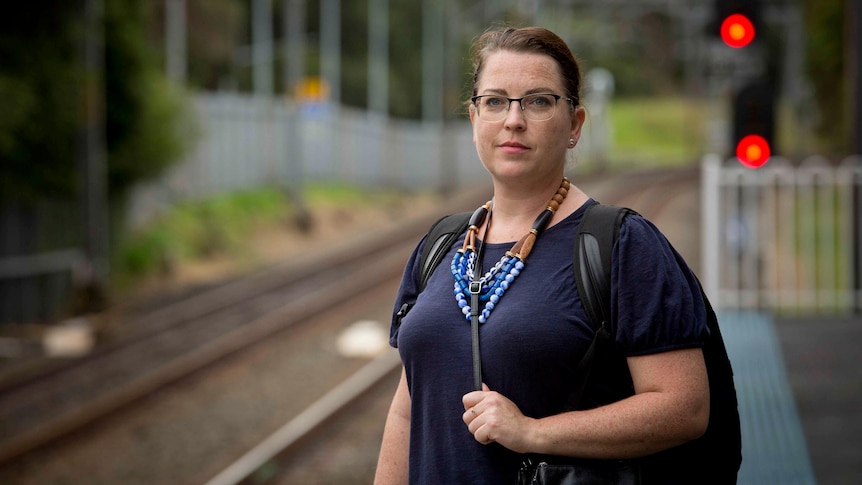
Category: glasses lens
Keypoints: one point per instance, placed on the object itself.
(492, 108)
(536, 107)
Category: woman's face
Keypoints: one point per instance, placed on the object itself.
(516, 148)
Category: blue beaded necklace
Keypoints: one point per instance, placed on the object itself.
(467, 262)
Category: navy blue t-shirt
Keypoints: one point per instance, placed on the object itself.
(532, 341)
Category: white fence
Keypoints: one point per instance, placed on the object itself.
(247, 142)
(783, 237)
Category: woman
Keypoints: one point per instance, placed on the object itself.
(526, 115)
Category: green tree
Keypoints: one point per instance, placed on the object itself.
(824, 60)
(40, 78)
(41, 90)
(146, 130)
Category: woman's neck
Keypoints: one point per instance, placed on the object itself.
(515, 210)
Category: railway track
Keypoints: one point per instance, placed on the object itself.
(38, 406)
(185, 339)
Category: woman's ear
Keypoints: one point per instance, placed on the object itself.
(472, 110)
(578, 117)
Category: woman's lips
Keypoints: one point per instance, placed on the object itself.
(513, 147)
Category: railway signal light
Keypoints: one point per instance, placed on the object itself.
(736, 22)
(754, 123)
(737, 31)
(753, 151)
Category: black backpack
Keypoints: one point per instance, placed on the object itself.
(716, 456)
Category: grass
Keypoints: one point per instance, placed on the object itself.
(195, 230)
(224, 226)
(346, 195)
(657, 131)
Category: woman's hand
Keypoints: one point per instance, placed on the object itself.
(492, 418)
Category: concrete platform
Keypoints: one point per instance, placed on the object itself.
(799, 383)
(773, 444)
(823, 361)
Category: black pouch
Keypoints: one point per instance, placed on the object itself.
(564, 471)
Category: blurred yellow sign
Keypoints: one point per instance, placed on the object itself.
(311, 89)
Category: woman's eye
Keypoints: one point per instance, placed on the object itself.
(539, 101)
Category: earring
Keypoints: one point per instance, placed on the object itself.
(571, 142)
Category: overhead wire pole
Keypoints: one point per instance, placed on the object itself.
(175, 40)
(330, 47)
(433, 66)
(432, 60)
(294, 48)
(451, 33)
(262, 71)
(330, 70)
(378, 83)
(263, 80)
(378, 56)
(94, 193)
(294, 71)
(294, 27)
(855, 50)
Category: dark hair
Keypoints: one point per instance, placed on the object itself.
(534, 40)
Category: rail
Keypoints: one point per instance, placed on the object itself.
(39, 406)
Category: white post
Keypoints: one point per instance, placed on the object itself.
(710, 223)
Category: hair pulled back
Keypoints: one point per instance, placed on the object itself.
(536, 40)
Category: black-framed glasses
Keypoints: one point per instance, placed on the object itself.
(536, 107)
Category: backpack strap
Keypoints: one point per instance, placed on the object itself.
(594, 243)
(440, 238)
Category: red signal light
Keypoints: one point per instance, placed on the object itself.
(737, 31)
(753, 151)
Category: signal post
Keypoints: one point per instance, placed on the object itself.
(740, 27)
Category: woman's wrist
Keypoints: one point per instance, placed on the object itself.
(541, 436)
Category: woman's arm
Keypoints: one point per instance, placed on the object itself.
(394, 450)
(670, 407)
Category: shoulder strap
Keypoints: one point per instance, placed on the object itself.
(594, 243)
(440, 238)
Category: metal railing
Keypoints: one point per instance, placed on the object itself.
(784, 237)
(248, 141)
(40, 258)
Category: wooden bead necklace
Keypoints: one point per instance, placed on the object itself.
(493, 285)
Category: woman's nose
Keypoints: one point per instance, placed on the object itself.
(515, 115)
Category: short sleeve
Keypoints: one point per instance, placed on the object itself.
(657, 305)
(408, 291)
